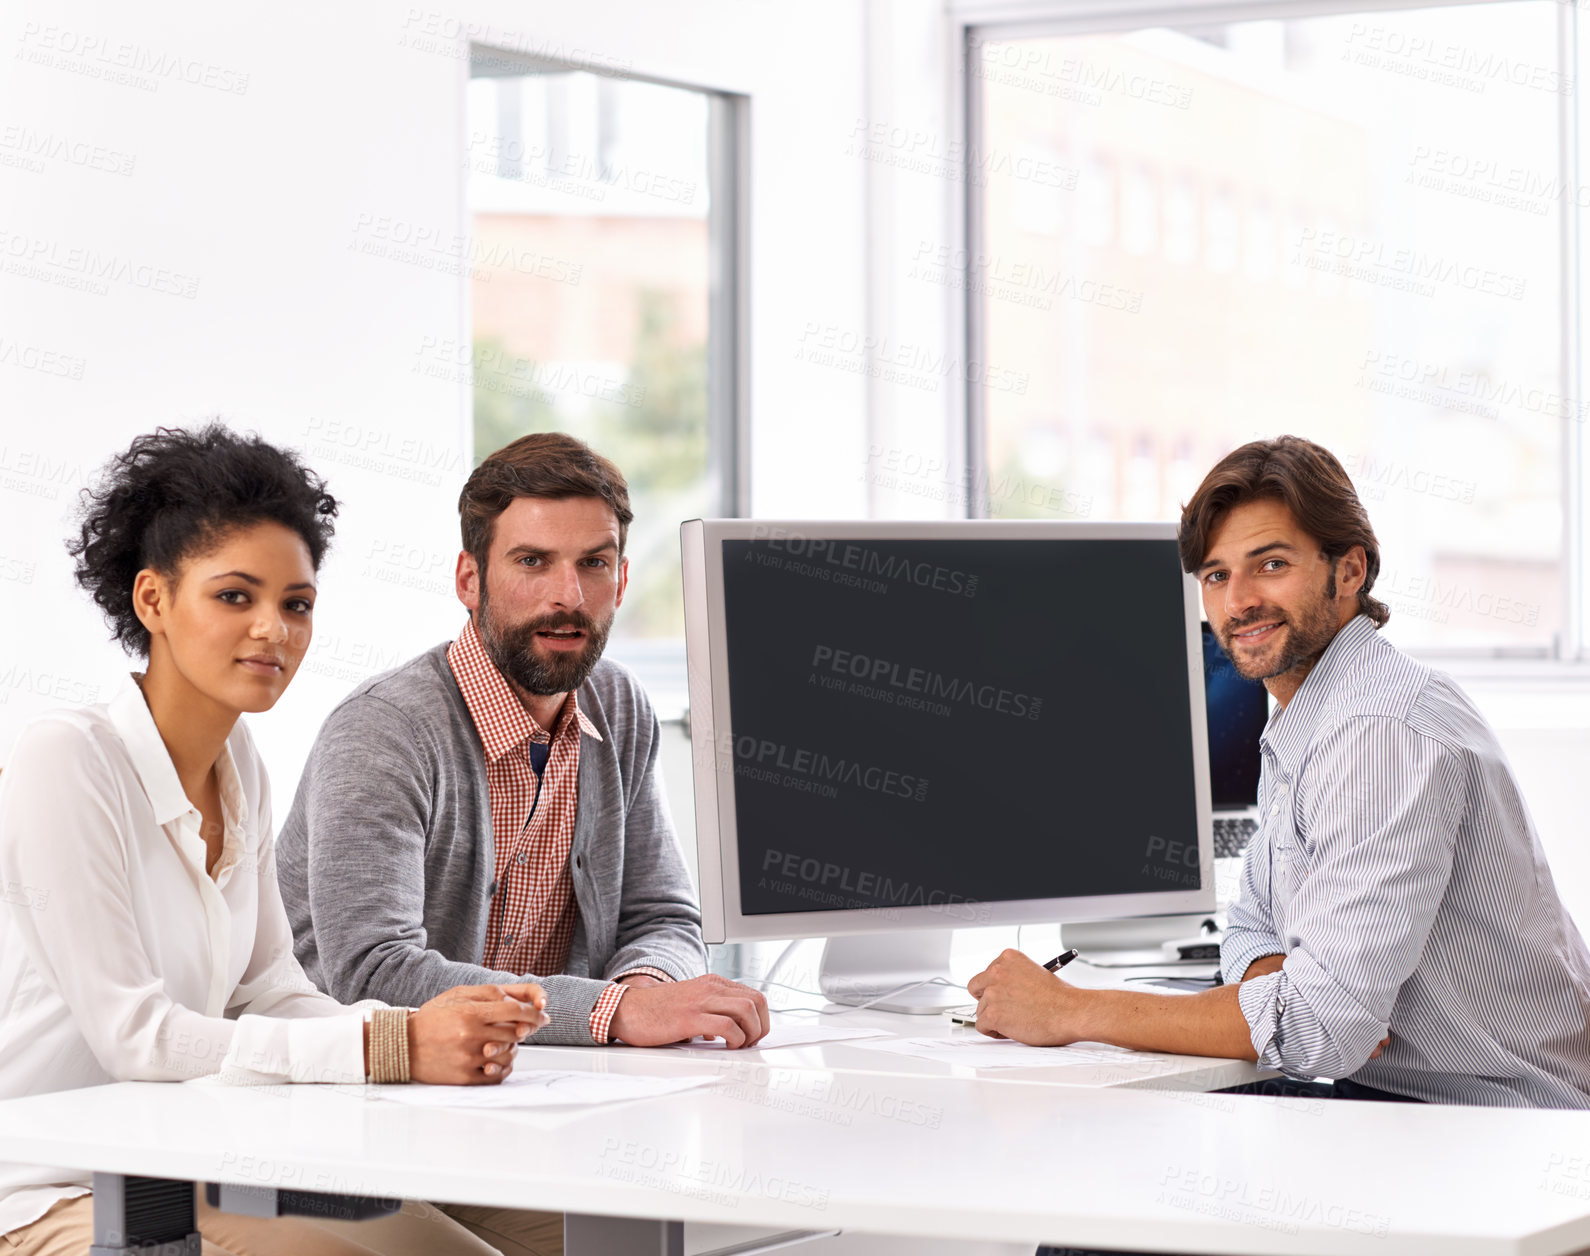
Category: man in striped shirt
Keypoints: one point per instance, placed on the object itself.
(1397, 929)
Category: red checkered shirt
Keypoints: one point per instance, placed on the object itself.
(533, 910)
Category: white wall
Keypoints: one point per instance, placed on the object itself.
(1550, 764)
(309, 131)
(1545, 732)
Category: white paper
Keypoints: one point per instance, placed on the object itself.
(977, 1051)
(541, 1088)
(794, 1034)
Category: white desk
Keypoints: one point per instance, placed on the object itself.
(1132, 1071)
(813, 1149)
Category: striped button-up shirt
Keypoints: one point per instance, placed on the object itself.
(533, 802)
(1399, 873)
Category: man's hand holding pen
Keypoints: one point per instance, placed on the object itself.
(1021, 999)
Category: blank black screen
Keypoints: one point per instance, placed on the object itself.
(923, 722)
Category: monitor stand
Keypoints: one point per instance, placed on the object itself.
(858, 969)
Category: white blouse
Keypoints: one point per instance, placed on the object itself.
(121, 959)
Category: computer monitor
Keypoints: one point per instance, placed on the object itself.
(1236, 712)
(903, 728)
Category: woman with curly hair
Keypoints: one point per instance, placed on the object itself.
(150, 942)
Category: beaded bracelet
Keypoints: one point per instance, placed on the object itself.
(389, 1045)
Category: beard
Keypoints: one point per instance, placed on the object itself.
(512, 648)
(1305, 635)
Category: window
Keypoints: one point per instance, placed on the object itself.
(1346, 227)
(604, 219)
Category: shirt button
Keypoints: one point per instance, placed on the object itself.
(521, 857)
(507, 939)
(1274, 808)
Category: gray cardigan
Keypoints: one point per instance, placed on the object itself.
(386, 860)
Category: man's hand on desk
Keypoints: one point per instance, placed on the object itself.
(655, 1014)
(1021, 999)
(1017, 998)
(468, 1036)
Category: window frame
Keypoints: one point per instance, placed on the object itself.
(728, 305)
(973, 21)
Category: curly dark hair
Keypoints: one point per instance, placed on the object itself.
(174, 494)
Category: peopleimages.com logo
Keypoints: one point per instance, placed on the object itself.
(760, 758)
(863, 560)
(930, 684)
(861, 887)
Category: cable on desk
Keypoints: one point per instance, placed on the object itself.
(778, 964)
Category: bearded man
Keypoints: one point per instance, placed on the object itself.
(493, 809)
(1397, 932)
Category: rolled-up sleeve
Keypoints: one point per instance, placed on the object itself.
(1377, 810)
(1239, 948)
(1250, 932)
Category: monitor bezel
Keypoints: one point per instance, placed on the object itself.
(717, 847)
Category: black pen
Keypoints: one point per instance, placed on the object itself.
(1060, 961)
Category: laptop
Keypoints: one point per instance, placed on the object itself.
(1237, 709)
